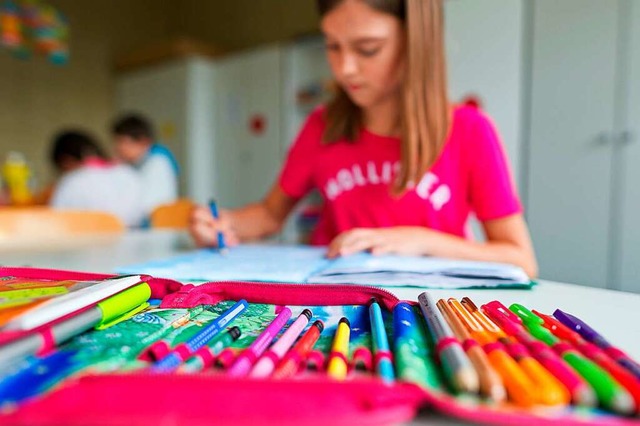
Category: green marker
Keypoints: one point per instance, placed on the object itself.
(610, 394)
(205, 356)
(413, 358)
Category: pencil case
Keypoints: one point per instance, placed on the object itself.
(142, 397)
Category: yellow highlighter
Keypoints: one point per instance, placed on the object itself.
(550, 390)
(520, 388)
(337, 366)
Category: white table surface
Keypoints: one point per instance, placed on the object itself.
(614, 314)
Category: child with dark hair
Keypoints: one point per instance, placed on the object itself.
(135, 144)
(90, 181)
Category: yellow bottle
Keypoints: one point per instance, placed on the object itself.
(16, 175)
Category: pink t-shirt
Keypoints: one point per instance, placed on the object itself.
(471, 175)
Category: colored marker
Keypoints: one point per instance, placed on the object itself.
(590, 335)
(380, 343)
(457, 367)
(623, 376)
(102, 312)
(246, 359)
(581, 393)
(550, 390)
(315, 361)
(414, 360)
(205, 356)
(266, 364)
(520, 387)
(184, 350)
(337, 367)
(362, 360)
(213, 206)
(609, 393)
(225, 359)
(490, 382)
(290, 364)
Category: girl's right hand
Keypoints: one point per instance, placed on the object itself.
(204, 228)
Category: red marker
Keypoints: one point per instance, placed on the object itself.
(623, 376)
(298, 353)
(581, 392)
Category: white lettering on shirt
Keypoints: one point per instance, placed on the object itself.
(440, 197)
(358, 177)
(426, 183)
(372, 176)
(345, 179)
(348, 178)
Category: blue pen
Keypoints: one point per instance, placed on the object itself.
(37, 376)
(173, 359)
(213, 206)
(380, 343)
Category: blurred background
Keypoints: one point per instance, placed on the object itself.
(226, 85)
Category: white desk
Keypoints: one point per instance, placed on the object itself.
(615, 314)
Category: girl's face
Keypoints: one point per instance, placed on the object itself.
(365, 49)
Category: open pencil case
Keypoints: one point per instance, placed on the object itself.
(137, 396)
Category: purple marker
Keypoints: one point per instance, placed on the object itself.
(597, 339)
(248, 357)
(266, 364)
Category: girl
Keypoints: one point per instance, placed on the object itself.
(399, 168)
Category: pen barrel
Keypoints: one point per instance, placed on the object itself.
(550, 390)
(458, 368)
(520, 388)
(265, 365)
(337, 366)
(609, 393)
(287, 368)
(581, 392)
(490, 381)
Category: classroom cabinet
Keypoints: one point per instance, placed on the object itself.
(582, 193)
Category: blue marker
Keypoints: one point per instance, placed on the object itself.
(380, 343)
(214, 212)
(174, 358)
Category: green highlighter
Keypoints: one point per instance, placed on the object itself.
(610, 394)
(412, 355)
(103, 312)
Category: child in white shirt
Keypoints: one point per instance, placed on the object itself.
(156, 165)
(89, 181)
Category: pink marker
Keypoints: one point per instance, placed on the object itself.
(248, 357)
(267, 363)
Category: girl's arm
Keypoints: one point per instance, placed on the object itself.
(251, 222)
(508, 241)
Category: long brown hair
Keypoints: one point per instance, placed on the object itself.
(426, 113)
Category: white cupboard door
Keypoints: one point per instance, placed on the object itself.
(630, 234)
(247, 131)
(570, 151)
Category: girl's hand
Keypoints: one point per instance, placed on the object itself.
(397, 240)
(204, 228)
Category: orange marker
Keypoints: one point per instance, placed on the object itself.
(551, 391)
(490, 382)
(520, 387)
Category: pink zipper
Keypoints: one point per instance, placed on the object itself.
(160, 287)
(278, 293)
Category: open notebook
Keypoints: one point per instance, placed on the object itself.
(305, 264)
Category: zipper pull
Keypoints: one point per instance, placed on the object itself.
(188, 296)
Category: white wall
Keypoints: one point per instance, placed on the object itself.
(484, 51)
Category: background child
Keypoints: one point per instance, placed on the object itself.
(400, 169)
(89, 181)
(135, 144)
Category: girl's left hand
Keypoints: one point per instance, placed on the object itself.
(397, 240)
